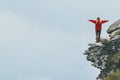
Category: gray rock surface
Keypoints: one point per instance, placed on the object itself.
(105, 57)
(114, 26)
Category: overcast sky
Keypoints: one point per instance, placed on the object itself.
(46, 39)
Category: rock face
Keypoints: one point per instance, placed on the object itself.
(114, 26)
(106, 55)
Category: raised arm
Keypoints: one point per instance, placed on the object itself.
(93, 21)
(104, 21)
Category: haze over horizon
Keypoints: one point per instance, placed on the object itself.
(46, 39)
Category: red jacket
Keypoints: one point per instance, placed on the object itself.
(98, 24)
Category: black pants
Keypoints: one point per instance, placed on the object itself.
(98, 33)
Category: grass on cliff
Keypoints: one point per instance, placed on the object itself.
(113, 76)
(116, 33)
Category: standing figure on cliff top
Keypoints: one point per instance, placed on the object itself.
(98, 26)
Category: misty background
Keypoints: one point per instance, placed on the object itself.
(46, 39)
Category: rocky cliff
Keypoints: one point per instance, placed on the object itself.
(106, 54)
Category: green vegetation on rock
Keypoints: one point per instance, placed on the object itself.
(116, 33)
(113, 76)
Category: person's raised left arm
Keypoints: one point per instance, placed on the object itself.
(104, 21)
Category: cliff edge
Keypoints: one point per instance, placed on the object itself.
(106, 54)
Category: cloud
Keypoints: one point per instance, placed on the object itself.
(35, 78)
(11, 26)
(42, 78)
(24, 44)
(14, 27)
(27, 46)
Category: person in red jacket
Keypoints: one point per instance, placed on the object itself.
(98, 26)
